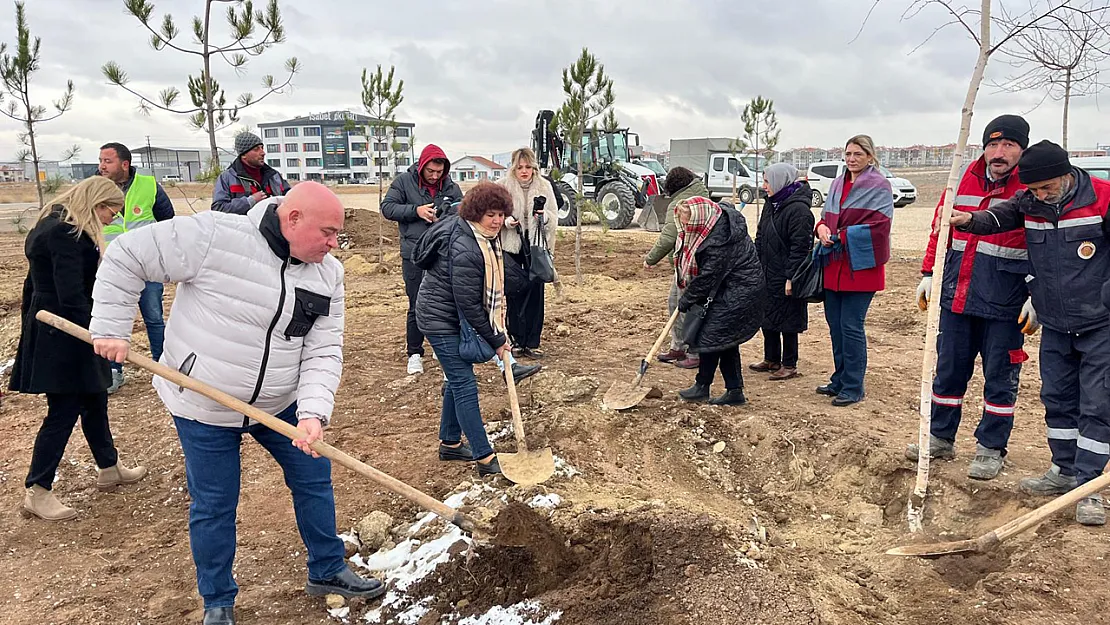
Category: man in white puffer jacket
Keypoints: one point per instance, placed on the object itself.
(258, 314)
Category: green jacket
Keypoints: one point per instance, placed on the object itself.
(664, 246)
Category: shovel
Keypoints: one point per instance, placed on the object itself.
(1013, 528)
(527, 466)
(621, 396)
(463, 521)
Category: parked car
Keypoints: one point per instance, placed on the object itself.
(1097, 166)
(821, 174)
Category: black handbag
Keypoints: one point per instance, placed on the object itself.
(695, 317)
(808, 282)
(540, 264)
(472, 347)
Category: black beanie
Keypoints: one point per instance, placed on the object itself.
(1043, 161)
(1012, 127)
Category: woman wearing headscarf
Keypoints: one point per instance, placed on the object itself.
(464, 275)
(63, 250)
(784, 240)
(718, 269)
(525, 304)
(855, 237)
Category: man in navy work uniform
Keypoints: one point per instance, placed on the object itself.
(1064, 214)
(984, 302)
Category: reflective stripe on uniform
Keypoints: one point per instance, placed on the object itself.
(1002, 411)
(1093, 446)
(992, 249)
(940, 400)
(1063, 434)
(1064, 223)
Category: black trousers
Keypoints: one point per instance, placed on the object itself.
(62, 411)
(781, 347)
(524, 316)
(413, 275)
(729, 362)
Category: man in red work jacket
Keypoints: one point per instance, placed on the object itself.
(985, 306)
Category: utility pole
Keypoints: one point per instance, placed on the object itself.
(149, 157)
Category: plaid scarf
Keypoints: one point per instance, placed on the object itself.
(494, 294)
(704, 214)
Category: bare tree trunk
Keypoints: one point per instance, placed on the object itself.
(34, 151)
(1067, 103)
(381, 216)
(578, 210)
(209, 105)
(915, 505)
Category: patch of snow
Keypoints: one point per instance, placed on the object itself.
(340, 613)
(4, 368)
(546, 502)
(521, 613)
(564, 468)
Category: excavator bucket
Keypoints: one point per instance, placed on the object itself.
(654, 216)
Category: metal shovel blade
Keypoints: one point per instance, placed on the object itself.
(937, 549)
(622, 395)
(528, 467)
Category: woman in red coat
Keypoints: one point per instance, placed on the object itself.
(855, 237)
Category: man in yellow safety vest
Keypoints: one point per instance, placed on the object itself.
(145, 202)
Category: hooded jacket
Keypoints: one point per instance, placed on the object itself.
(728, 257)
(409, 191)
(234, 188)
(262, 326)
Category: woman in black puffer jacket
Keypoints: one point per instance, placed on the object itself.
(784, 240)
(717, 265)
(464, 275)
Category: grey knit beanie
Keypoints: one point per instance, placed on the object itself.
(245, 142)
(779, 175)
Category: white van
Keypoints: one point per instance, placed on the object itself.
(171, 178)
(722, 168)
(1097, 166)
(821, 174)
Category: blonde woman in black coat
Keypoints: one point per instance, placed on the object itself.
(64, 250)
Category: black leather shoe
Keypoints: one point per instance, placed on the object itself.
(732, 397)
(843, 400)
(827, 390)
(697, 392)
(490, 468)
(521, 372)
(219, 616)
(347, 584)
(462, 452)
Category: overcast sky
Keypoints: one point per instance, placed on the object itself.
(476, 73)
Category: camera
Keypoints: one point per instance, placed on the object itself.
(443, 205)
(538, 204)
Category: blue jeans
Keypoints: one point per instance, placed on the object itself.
(461, 413)
(845, 312)
(212, 471)
(150, 306)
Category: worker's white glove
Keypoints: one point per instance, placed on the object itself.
(924, 290)
(1028, 318)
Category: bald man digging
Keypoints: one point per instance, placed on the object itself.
(258, 314)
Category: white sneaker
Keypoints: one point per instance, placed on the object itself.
(416, 364)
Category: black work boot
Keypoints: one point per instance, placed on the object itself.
(347, 584)
(486, 469)
(697, 392)
(731, 397)
(219, 616)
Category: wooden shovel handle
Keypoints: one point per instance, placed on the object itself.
(1035, 517)
(514, 405)
(423, 500)
(655, 348)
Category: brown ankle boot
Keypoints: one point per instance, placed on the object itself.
(42, 503)
(784, 373)
(114, 476)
